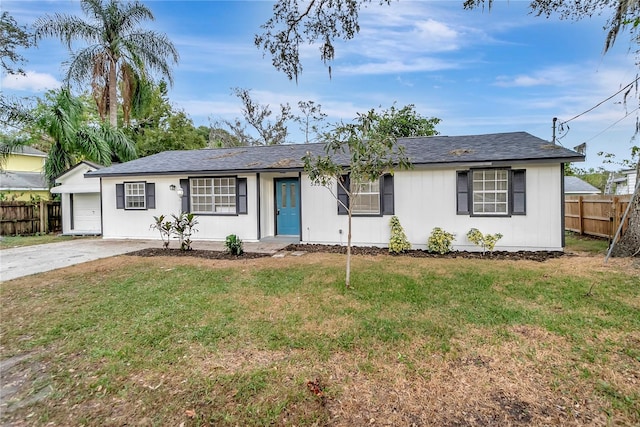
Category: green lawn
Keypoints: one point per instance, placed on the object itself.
(165, 341)
(593, 245)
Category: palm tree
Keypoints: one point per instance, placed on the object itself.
(72, 138)
(118, 52)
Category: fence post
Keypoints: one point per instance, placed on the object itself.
(580, 216)
(43, 217)
(614, 213)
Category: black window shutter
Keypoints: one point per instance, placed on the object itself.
(241, 196)
(343, 196)
(119, 196)
(518, 192)
(387, 194)
(462, 190)
(184, 184)
(150, 192)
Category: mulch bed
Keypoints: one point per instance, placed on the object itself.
(369, 250)
(197, 253)
(356, 250)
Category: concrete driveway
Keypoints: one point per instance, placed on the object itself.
(27, 260)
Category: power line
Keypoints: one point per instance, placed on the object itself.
(601, 102)
(612, 125)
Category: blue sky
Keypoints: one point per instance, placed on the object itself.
(479, 71)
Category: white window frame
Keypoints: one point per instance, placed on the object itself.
(134, 192)
(361, 201)
(213, 195)
(490, 192)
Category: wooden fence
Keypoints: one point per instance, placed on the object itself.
(28, 218)
(595, 215)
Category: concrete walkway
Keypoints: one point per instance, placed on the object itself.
(27, 260)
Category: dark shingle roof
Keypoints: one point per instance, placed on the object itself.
(28, 151)
(498, 148)
(22, 181)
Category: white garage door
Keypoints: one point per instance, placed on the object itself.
(86, 212)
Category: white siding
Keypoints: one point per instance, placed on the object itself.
(425, 199)
(136, 224)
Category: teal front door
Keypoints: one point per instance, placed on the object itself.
(287, 206)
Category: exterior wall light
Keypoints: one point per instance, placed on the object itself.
(172, 187)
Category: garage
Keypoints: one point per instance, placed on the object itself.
(85, 213)
(80, 197)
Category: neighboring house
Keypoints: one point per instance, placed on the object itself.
(625, 181)
(81, 210)
(574, 186)
(21, 177)
(508, 183)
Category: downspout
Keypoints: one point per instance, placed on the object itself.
(562, 221)
(258, 205)
(300, 205)
(101, 212)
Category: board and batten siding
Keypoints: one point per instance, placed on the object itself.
(426, 198)
(136, 224)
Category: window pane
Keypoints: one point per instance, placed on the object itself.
(292, 195)
(367, 201)
(490, 191)
(134, 195)
(283, 195)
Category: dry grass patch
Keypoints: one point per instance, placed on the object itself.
(417, 341)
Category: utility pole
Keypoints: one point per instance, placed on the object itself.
(553, 139)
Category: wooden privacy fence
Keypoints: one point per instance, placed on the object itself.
(595, 215)
(28, 218)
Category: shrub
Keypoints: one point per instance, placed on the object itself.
(486, 241)
(165, 228)
(184, 226)
(398, 242)
(234, 245)
(440, 241)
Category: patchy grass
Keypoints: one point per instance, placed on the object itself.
(165, 341)
(18, 241)
(591, 245)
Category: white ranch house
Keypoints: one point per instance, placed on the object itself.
(508, 183)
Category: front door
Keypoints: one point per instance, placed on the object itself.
(287, 206)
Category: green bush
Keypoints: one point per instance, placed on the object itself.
(440, 241)
(183, 226)
(486, 241)
(234, 245)
(398, 242)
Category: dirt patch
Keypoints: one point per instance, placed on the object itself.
(370, 250)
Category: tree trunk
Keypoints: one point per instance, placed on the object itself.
(629, 242)
(113, 94)
(348, 274)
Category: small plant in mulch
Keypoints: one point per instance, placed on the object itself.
(165, 228)
(485, 241)
(234, 245)
(398, 243)
(183, 226)
(440, 241)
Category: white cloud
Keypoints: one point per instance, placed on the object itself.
(32, 81)
(398, 66)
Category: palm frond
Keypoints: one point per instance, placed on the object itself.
(58, 161)
(118, 142)
(65, 27)
(92, 145)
